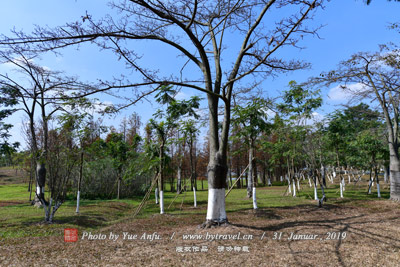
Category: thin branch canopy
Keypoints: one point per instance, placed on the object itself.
(203, 26)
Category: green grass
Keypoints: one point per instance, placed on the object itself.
(14, 192)
(21, 219)
(352, 192)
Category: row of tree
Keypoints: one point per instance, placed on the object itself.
(199, 31)
(79, 154)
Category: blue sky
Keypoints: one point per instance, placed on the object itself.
(350, 27)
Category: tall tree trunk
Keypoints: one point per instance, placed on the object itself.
(79, 184)
(255, 171)
(377, 182)
(392, 125)
(216, 171)
(264, 173)
(250, 172)
(171, 183)
(156, 192)
(323, 174)
(161, 178)
(45, 140)
(119, 186)
(191, 163)
(294, 187)
(30, 181)
(370, 181)
(387, 173)
(217, 165)
(192, 172)
(315, 187)
(252, 175)
(41, 181)
(179, 178)
(179, 172)
(238, 172)
(394, 172)
(195, 165)
(341, 187)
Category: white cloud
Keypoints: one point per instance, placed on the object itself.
(341, 92)
(20, 60)
(315, 118)
(101, 106)
(270, 113)
(8, 66)
(97, 107)
(184, 95)
(181, 96)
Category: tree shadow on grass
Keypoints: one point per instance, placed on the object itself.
(78, 220)
(82, 221)
(267, 213)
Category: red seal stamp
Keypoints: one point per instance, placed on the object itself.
(70, 235)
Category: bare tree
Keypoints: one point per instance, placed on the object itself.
(40, 90)
(375, 76)
(199, 30)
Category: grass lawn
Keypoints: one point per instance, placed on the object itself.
(19, 219)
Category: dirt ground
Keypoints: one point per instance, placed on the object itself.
(356, 234)
(13, 176)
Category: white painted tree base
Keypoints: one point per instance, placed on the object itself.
(379, 190)
(341, 190)
(216, 205)
(195, 197)
(39, 190)
(294, 189)
(156, 194)
(254, 199)
(315, 193)
(78, 197)
(161, 202)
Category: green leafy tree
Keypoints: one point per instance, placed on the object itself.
(298, 105)
(190, 130)
(251, 121)
(174, 111)
(117, 149)
(8, 99)
(371, 144)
